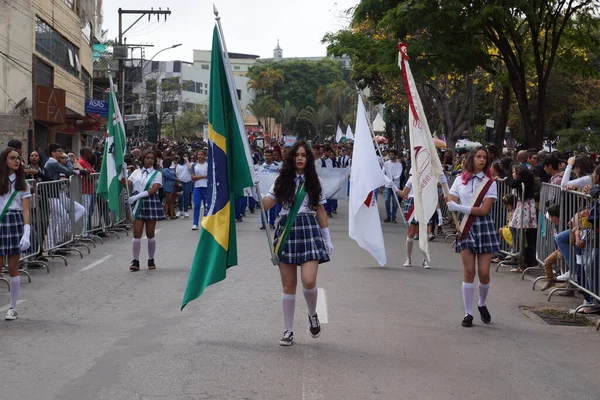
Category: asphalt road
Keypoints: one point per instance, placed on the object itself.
(93, 330)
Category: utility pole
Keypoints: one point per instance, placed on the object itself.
(124, 52)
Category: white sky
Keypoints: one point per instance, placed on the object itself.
(250, 26)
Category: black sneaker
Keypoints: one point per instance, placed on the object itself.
(151, 264)
(467, 321)
(287, 339)
(315, 326)
(387, 220)
(272, 226)
(135, 265)
(262, 227)
(485, 314)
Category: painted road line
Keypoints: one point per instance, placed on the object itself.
(100, 261)
(5, 308)
(322, 306)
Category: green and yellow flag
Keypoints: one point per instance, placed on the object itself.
(228, 175)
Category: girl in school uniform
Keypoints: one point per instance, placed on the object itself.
(476, 192)
(147, 209)
(15, 220)
(298, 190)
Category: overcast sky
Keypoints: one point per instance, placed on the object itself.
(250, 26)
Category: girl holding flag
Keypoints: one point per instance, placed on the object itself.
(302, 236)
(146, 207)
(15, 225)
(477, 240)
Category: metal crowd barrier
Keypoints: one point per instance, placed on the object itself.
(514, 256)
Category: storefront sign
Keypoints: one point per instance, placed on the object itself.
(96, 107)
(50, 104)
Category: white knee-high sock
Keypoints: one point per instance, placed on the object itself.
(15, 286)
(409, 246)
(136, 244)
(151, 248)
(311, 295)
(289, 305)
(468, 292)
(483, 292)
(440, 218)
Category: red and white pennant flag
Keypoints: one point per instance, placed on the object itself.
(366, 176)
(426, 165)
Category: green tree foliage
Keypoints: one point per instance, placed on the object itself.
(192, 121)
(263, 108)
(584, 133)
(318, 118)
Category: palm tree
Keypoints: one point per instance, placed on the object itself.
(286, 114)
(317, 118)
(341, 99)
(267, 82)
(263, 108)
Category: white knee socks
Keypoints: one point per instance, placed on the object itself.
(151, 248)
(409, 246)
(289, 304)
(15, 286)
(468, 292)
(311, 295)
(483, 292)
(136, 244)
(440, 218)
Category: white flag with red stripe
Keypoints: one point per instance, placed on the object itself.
(366, 176)
(426, 165)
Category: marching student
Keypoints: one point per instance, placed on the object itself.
(302, 236)
(477, 240)
(146, 207)
(15, 228)
(200, 179)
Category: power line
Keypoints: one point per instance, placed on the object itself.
(6, 93)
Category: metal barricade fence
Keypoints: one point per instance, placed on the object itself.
(580, 217)
(514, 254)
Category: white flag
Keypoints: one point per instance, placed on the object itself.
(366, 175)
(338, 134)
(426, 165)
(349, 134)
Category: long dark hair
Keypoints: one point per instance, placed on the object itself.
(20, 183)
(285, 187)
(469, 164)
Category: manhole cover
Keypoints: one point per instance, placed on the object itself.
(559, 317)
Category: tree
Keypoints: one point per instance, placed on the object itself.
(263, 108)
(288, 115)
(192, 121)
(317, 118)
(584, 133)
(341, 100)
(267, 82)
(161, 100)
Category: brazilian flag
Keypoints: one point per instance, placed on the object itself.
(228, 175)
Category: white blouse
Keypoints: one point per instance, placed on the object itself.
(465, 192)
(17, 203)
(305, 207)
(140, 177)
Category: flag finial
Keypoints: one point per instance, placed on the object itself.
(215, 11)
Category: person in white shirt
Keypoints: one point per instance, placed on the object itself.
(273, 167)
(200, 178)
(146, 207)
(393, 170)
(185, 178)
(309, 241)
(15, 220)
(481, 242)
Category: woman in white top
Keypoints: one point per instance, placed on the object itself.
(146, 207)
(15, 225)
(200, 178)
(583, 168)
(481, 241)
(185, 178)
(309, 241)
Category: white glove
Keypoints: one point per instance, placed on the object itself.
(25, 244)
(327, 240)
(452, 206)
(443, 178)
(138, 196)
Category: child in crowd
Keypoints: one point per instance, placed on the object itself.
(509, 203)
(525, 213)
(553, 215)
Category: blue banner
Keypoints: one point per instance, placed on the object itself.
(96, 107)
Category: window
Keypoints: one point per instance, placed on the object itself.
(155, 66)
(204, 66)
(188, 106)
(55, 47)
(206, 92)
(176, 66)
(44, 74)
(239, 94)
(69, 3)
(170, 84)
(170, 106)
(87, 83)
(236, 67)
(199, 87)
(206, 85)
(189, 86)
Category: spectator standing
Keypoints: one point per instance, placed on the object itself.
(393, 170)
(200, 178)
(185, 177)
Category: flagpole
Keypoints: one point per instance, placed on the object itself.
(117, 111)
(381, 160)
(238, 112)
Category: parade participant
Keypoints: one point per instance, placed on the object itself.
(146, 207)
(185, 177)
(271, 167)
(478, 239)
(15, 220)
(200, 178)
(170, 180)
(302, 236)
(393, 170)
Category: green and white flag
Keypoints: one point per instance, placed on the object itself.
(109, 184)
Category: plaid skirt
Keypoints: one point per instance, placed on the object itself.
(305, 242)
(482, 238)
(408, 203)
(11, 231)
(152, 209)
